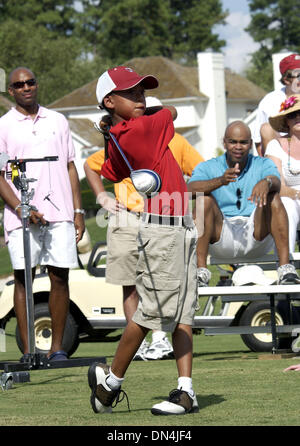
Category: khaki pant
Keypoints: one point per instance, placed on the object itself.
(166, 276)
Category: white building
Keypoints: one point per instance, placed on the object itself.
(207, 97)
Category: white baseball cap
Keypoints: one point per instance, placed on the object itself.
(122, 78)
(251, 275)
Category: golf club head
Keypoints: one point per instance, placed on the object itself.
(3, 159)
(146, 181)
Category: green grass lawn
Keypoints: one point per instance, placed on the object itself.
(235, 387)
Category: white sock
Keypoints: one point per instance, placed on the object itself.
(113, 381)
(185, 384)
(158, 335)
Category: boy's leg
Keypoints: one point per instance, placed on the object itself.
(182, 339)
(130, 341)
(130, 301)
(105, 382)
(183, 399)
(160, 347)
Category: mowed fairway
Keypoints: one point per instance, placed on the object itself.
(235, 387)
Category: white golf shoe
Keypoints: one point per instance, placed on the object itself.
(178, 403)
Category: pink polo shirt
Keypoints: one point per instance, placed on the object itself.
(47, 135)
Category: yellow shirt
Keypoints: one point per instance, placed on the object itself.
(186, 156)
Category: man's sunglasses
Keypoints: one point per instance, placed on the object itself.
(295, 76)
(239, 196)
(21, 84)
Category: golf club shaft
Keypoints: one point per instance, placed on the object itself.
(121, 151)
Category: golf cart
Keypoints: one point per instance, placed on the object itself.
(96, 307)
(267, 317)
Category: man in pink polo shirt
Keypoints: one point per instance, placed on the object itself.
(32, 131)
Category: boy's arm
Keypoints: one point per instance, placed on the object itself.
(151, 110)
(103, 198)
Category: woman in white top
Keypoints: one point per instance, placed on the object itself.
(285, 152)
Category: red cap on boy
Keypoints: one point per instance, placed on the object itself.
(122, 78)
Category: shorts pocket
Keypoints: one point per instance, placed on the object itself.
(159, 296)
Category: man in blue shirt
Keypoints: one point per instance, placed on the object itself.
(243, 213)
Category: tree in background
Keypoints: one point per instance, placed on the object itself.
(56, 60)
(66, 43)
(55, 15)
(123, 29)
(192, 22)
(39, 35)
(275, 25)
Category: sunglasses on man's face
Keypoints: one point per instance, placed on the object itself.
(295, 76)
(239, 196)
(21, 84)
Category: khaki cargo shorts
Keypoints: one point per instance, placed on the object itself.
(166, 276)
(122, 251)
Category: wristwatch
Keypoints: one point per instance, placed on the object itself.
(269, 181)
(79, 211)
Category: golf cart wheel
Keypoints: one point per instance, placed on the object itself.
(43, 331)
(258, 314)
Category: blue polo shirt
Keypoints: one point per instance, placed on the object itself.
(256, 169)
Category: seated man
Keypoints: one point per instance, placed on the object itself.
(243, 214)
